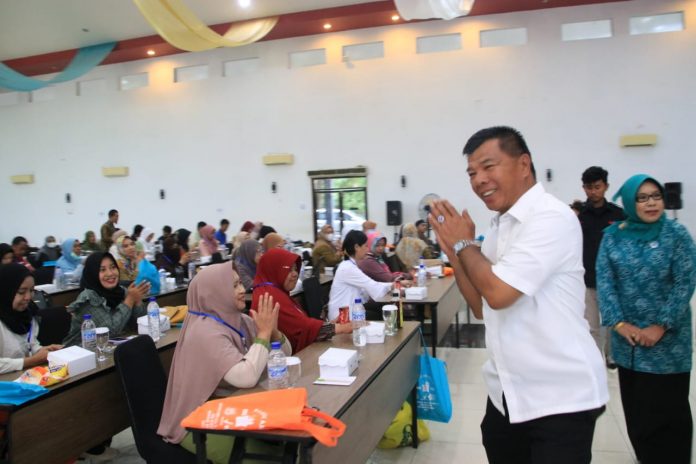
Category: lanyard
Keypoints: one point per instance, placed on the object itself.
(217, 319)
(264, 284)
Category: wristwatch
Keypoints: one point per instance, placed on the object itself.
(461, 244)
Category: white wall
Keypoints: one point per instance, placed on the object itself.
(406, 114)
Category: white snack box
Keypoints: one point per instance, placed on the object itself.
(375, 332)
(143, 327)
(416, 293)
(77, 359)
(337, 362)
(434, 271)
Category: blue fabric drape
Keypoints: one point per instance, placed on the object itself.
(85, 59)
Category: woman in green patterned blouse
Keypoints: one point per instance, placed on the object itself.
(646, 274)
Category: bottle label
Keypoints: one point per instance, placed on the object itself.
(277, 372)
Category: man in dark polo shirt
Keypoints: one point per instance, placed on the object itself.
(595, 216)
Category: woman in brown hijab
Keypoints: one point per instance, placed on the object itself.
(272, 240)
(218, 347)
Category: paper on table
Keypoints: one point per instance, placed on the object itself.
(342, 381)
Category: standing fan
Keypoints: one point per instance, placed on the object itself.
(424, 205)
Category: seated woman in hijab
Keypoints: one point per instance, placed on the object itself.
(324, 252)
(50, 251)
(114, 247)
(90, 243)
(127, 259)
(245, 262)
(147, 239)
(172, 259)
(411, 248)
(373, 264)
(277, 274)
(70, 261)
(208, 245)
(6, 253)
(19, 348)
(272, 240)
(218, 346)
(101, 296)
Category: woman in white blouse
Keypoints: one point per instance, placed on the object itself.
(349, 281)
(18, 326)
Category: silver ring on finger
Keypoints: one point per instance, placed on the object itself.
(441, 219)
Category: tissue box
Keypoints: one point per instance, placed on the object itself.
(416, 293)
(434, 271)
(375, 332)
(143, 327)
(337, 362)
(77, 359)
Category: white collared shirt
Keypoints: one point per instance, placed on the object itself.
(350, 283)
(542, 356)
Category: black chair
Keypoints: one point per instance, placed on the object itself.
(54, 325)
(145, 385)
(394, 263)
(313, 297)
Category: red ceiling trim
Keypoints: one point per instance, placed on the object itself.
(343, 18)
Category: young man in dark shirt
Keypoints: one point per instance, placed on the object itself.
(595, 216)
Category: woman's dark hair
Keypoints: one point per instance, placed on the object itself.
(136, 230)
(265, 230)
(353, 239)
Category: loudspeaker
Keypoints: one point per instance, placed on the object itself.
(393, 213)
(673, 199)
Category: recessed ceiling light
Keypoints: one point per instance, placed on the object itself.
(327, 26)
(151, 52)
(244, 3)
(396, 17)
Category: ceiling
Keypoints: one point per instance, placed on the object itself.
(41, 36)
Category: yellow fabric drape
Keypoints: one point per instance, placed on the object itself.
(179, 26)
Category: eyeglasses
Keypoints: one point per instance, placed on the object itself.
(644, 197)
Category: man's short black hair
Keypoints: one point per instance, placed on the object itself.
(18, 240)
(593, 174)
(167, 229)
(419, 222)
(112, 212)
(224, 222)
(510, 142)
(201, 224)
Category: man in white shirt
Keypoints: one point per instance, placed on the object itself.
(545, 376)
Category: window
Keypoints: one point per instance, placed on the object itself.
(342, 200)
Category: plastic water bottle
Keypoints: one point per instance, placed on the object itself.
(277, 368)
(358, 312)
(191, 270)
(89, 333)
(163, 280)
(153, 319)
(58, 279)
(422, 273)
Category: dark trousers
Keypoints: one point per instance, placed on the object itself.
(560, 438)
(658, 415)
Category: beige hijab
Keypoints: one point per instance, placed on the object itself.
(410, 247)
(206, 349)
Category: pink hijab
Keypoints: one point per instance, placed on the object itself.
(206, 349)
(209, 243)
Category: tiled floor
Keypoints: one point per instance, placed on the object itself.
(460, 440)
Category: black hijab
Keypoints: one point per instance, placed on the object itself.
(183, 236)
(90, 280)
(11, 278)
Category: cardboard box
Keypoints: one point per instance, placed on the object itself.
(337, 362)
(416, 293)
(77, 359)
(375, 332)
(143, 328)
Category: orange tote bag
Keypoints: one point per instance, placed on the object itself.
(271, 410)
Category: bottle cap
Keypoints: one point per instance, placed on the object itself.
(358, 300)
(151, 299)
(275, 345)
(87, 316)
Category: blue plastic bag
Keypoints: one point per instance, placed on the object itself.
(148, 271)
(17, 393)
(433, 399)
